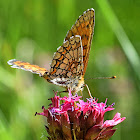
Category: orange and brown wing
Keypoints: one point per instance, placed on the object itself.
(27, 67)
(67, 61)
(84, 27)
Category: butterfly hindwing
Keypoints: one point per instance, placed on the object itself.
(68, 60)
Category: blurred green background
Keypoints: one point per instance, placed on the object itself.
(31, 30)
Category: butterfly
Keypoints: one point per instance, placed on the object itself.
(70, 61)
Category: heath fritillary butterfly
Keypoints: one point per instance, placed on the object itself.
(69, 63)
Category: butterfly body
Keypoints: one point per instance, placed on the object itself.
(74, 84)
(69, 62)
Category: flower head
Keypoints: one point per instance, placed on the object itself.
(76, 119)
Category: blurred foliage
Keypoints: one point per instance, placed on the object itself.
(32, 30)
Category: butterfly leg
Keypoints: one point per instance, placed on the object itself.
(81, 93)
(62, 91)
(88, 91)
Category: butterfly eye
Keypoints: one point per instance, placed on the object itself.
(46, 72)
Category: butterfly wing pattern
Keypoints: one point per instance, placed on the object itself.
(67, 65)
(84, 27)
(69, 62)
(27, 67)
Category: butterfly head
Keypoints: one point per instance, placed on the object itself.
(77, 84)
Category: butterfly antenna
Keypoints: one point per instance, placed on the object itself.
(113, 77)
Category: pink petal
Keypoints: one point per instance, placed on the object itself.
(116, 120)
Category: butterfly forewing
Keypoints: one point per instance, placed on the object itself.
(84, 27)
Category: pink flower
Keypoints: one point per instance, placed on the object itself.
(76, 119)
